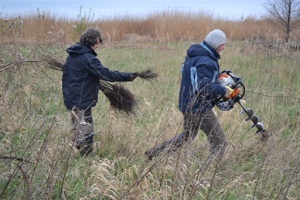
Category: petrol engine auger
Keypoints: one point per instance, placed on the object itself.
(227, 78)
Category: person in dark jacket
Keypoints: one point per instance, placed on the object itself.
(80, 84)
(199, 90)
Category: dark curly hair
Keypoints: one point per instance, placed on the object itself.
(89, 37)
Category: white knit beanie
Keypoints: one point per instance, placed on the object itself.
(215, 38)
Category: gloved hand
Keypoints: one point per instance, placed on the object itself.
(133, 76)
(229, 92)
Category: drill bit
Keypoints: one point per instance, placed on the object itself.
(255, 120)
(249, 112)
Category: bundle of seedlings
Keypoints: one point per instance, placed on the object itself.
(120, 98)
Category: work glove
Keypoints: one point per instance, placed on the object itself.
(133, 76)
(229, 92)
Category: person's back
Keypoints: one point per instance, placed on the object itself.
(199, 84)
(80, 86)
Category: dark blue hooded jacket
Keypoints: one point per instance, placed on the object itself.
(199, 84)
(81, 74)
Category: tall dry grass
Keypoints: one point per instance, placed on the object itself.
(37, 160)
(163, 26)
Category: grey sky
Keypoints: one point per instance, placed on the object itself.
(230, 9)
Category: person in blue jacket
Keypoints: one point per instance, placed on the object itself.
(199, 90)
(80, 85)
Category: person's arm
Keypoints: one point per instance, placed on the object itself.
(96, 68)
(207, 84)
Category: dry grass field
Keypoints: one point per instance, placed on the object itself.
(37, 160)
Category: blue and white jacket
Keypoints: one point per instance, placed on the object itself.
(199, 84)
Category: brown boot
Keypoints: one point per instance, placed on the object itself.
(86, 149)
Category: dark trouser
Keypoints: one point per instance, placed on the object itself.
(207, 122)
(82, 129)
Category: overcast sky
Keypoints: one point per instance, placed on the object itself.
(230, 9)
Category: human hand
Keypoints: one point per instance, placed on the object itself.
(229, 92)
(133, 76)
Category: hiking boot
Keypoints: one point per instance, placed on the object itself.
(86, 149)
(152, 153)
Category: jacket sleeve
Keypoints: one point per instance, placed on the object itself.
(95, 67)
(208, 82)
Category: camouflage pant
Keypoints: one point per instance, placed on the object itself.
(207, 122)
(82, 127)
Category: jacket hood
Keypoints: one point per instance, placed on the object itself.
(197, 49)
(79, 49)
